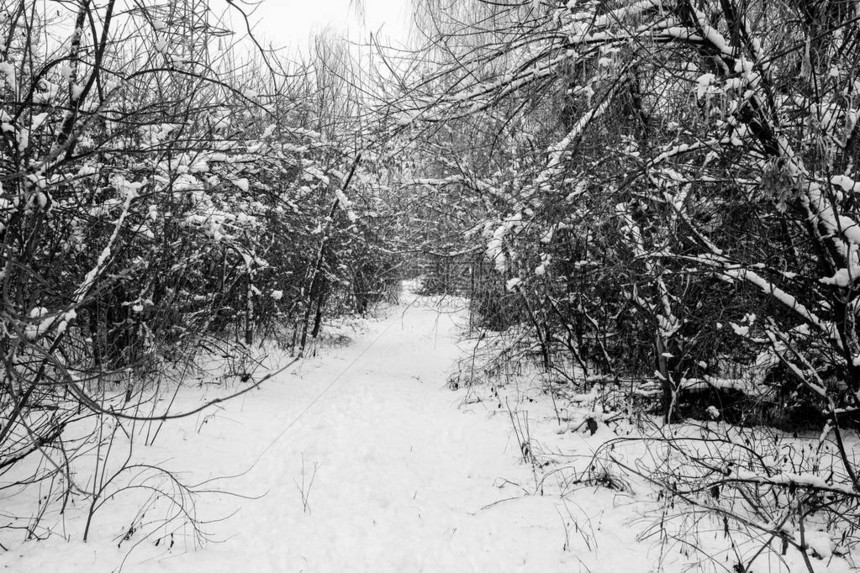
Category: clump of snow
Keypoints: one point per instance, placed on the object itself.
(38, 312)
(242, 184)
(342, 199)
(841, 278)
(818, 541)
(7, 73)
(703, 83)
(845, 183)
(37, 327)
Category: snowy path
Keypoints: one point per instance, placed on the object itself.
(400, 468)
(402, 472)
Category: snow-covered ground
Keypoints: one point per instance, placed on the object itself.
(361, 459)
(396, 476)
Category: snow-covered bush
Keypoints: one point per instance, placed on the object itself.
(155, 201)
(668, 188)
(670, 185)
(765, 490)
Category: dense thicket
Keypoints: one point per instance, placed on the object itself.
(665, 192)
(165, 193)
(666, 189)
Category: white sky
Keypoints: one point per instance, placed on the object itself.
(290, 23)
